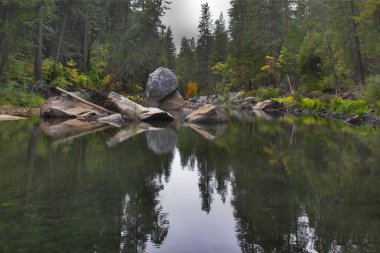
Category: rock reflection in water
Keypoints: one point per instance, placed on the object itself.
(208, 131)
(130, 130)
(288, 184)
(161, 141)
(61, 128)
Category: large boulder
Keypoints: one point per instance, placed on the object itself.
(161, 83)
(207, 114)
(172, 102)
(269, 105)
(67, 107)
(134, 111)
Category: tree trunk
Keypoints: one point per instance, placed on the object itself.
(358, 49)
(2, 52)
(336, 79)
(3, 38)
(85, 43)
(38, 63)
(290, 85)
(61, 37)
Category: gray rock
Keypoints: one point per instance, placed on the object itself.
(160, 83)
(269, 105)
(250, 100)
(356, 120)
(248, 105)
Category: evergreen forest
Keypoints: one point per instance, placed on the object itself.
(320, 49)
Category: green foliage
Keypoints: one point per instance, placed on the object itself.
(135, 88)
(337, 104)
(267, 93)
(19, 97)
(99, 62)
(19, 72)
(310, 59)
(372, 92)
(69, 76)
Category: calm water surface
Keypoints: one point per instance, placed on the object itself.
(254, 185)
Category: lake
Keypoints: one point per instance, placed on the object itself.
(268, 184)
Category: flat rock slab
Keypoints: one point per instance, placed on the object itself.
(9, 117)
(207, 114)
(67, 107)
(172, 102)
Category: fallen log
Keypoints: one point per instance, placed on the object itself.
(85, 101)
(134, 111)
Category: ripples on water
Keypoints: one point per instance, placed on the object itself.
(254, 185)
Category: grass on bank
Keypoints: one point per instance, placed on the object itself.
(20, 98)
(336, 104)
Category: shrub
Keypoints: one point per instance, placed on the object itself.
(348, 106)
(297, 97)
(316, 94)
(192, 88)
(60, 82)
(289, 100)
(135, 88)
(334, 104)
(57, 74)
(372, 92)
(326, 98)
(267, 93)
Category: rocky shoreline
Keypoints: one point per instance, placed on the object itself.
(237, 102)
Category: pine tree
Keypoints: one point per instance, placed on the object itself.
(220, 43)
(204, 45)
(185, 64)
(170, 48)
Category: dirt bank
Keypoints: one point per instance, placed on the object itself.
(19, 111)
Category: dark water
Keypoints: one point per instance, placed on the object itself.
(254, 185)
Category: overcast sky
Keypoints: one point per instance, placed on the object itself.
(183, 17)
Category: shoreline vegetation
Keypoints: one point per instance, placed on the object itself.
(315, 57)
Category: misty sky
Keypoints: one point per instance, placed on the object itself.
(183, 17)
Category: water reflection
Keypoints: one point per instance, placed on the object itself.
(162, 141)
(254, 185)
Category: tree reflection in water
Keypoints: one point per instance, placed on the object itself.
(296, 185)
